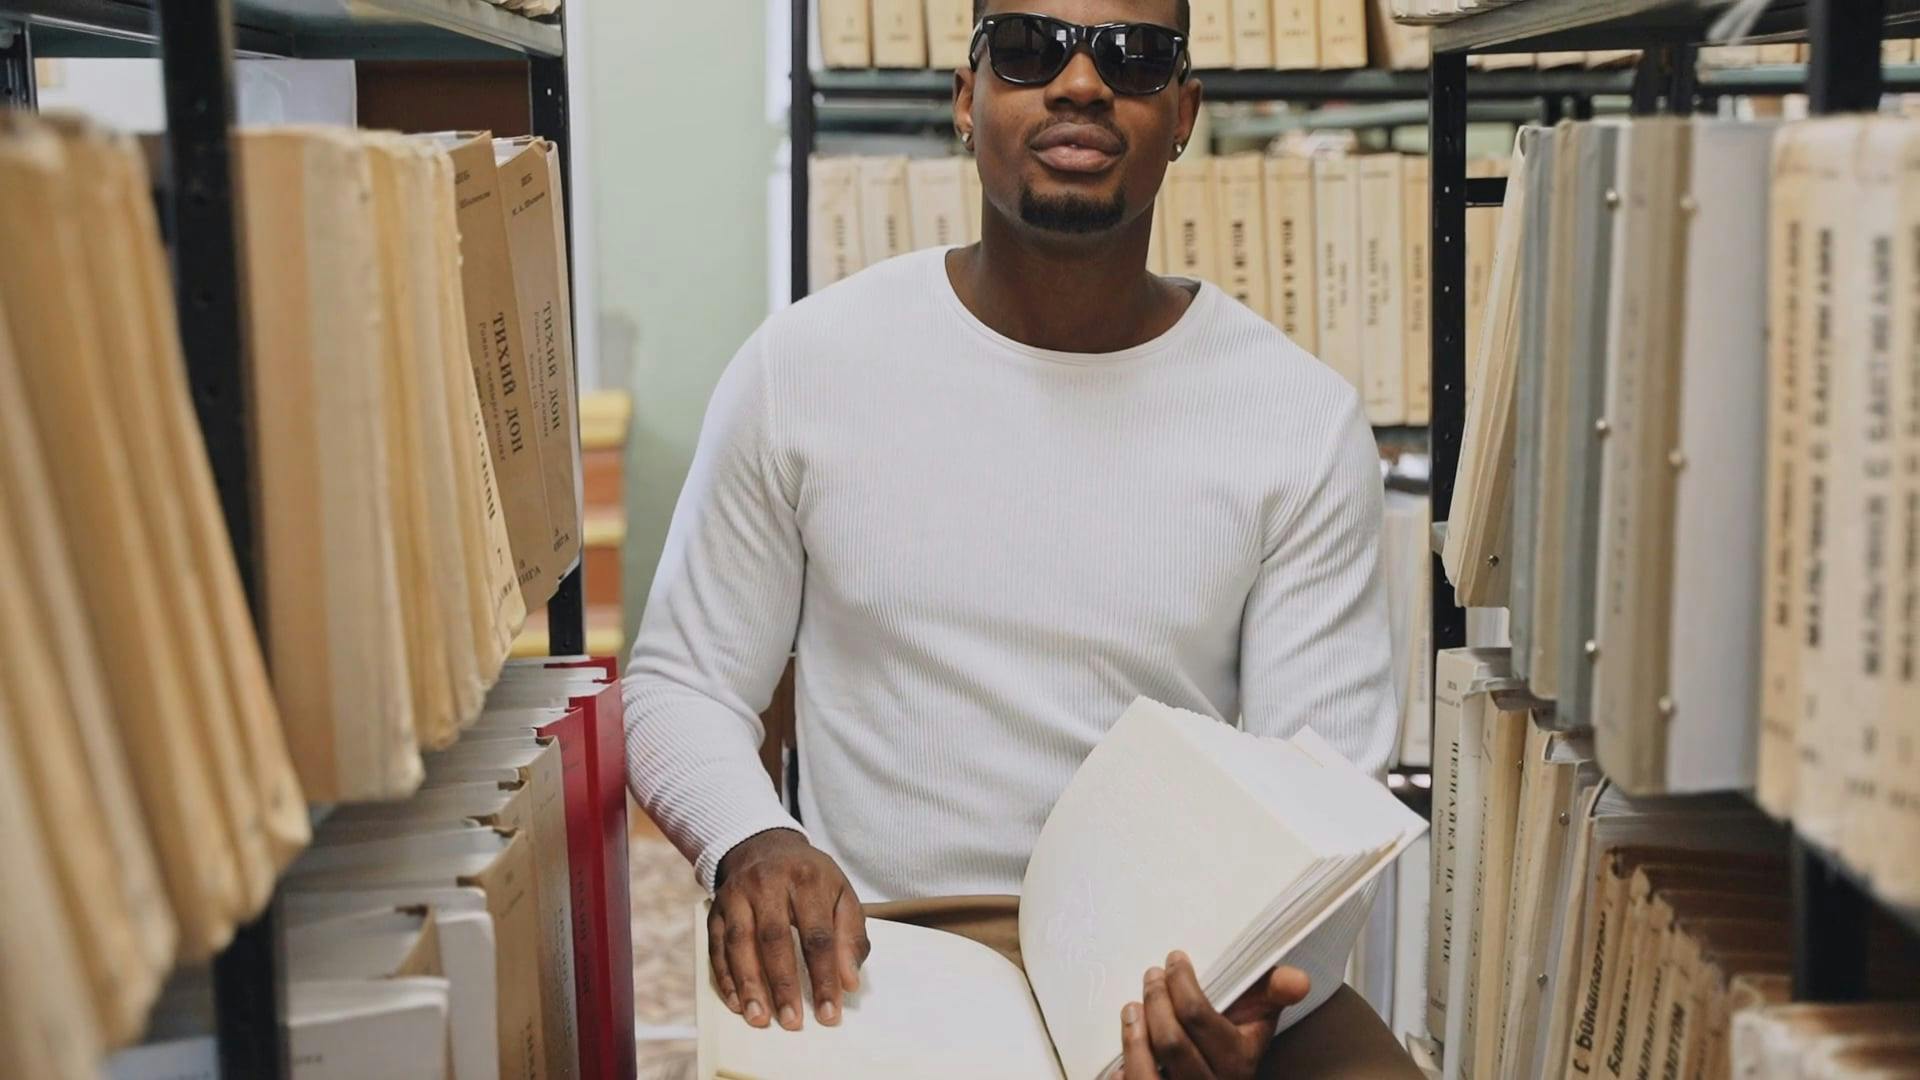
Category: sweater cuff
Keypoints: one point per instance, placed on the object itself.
(749, 825)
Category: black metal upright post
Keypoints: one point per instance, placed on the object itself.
(1447, 376)
(800, 128)
(1830, 912)
(547, 90)
(16, 66)
(195, 40)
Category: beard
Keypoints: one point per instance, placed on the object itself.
(1073, 214)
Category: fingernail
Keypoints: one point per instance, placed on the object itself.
(1176, 957)
(756, 1013)
(1130, 1015)
(789, 1016)
(733, 1002)
(829, 1013)
(1154, 974)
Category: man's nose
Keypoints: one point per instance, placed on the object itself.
(1079, 83)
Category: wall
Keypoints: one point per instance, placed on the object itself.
(682, 148)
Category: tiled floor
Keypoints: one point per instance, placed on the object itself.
(664, 893)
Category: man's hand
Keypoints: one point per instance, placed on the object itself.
(770, 885)
(1173, 1031)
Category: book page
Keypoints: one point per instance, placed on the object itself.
(931, 1005)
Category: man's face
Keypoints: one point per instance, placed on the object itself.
(1073, 157)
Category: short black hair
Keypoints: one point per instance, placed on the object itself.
(1183, 21)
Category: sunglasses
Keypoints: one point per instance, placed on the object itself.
(1032, 50)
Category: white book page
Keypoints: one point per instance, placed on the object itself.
(931, 1005)
(1150, 849)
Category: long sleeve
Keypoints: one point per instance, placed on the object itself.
(1315, 651)
(719, 623)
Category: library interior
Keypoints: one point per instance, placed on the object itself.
(1352, 539)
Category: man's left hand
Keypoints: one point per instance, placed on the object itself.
(1175, 1032)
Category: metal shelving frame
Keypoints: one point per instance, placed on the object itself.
(196, 42)
(1831, 905)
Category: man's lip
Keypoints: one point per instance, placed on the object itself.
(1076, 159)
(1088, 136)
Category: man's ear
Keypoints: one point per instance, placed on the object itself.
(963, 105)
(1190, 95)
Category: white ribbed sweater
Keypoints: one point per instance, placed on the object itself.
(982, 552)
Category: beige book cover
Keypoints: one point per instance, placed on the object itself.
(1210, 40)
(1703, 953)
(1243, 248)
(1296, 35)
(1783, 615)
(1896, 50)
(1483, 226)
(1253, 34)
(537, 242)
(48, 315)
(1565, 272)
(1459, 674)
(1548, 61)
(496, 604)
(435, 719)
(937, 196)
(1705, 906)
(1157, 236)
(1398, 46)
(1896, 872)
(835, 249)
(1287, 211)
(886, 220)
(1780, 54)
(1336, 236)
(1382, 283)
(1501, 748)
(1343, 34)
(314, 341)
(503, 372)
(949, 32)
(899, 34)
(1416, 293)
(1731, 982)
(47, 1026)
(1193, 244)
(846, 39)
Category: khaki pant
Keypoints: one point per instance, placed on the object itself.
(1343, 1039)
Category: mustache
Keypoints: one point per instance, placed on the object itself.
(1053, 120)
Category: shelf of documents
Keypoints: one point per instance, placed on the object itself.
(318, 29)
(1551, 25)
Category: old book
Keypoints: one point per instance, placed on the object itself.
(936, 195)
(846, 39)
(339, 1028)
(1459, 675)
(1483, 226)
(886, 225)
(1775, 1033)
(1895, 875)
(1063, 1017)
(976, 200)
(1157, 238)
(1411, 877)
(1193, 219)
(1528, 421)
(1343, 34)
(1416, 300)
(1397, 46)
(375, 946)
(48, 315)
(1405, 558)
(1252, 33)
(899, 34)
(1492, 737)
(836, 248)
(1238, 184)
(537, 242)
(1336, 233)
(1648, 1015)
(1381, 308)
(949, 32)
(1296, 34)
(1559, 267)
(1287, 211)
(1593, 161)
(1210, 41)
(337, 644)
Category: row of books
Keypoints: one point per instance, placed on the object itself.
(1688, 540)
(1578, 931)
(1225, 34)
(1331, 249)
(478, 929)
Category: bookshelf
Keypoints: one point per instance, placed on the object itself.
(1830, 903)
(196, 42)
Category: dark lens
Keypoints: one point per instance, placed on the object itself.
(1026, 48)
(1137, 59)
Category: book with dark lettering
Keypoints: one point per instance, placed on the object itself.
(1287, 211)
(1243, 249)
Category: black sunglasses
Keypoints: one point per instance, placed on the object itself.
(1032, 50)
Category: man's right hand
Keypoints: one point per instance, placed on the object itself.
(768, 886)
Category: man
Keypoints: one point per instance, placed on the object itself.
(990, 495)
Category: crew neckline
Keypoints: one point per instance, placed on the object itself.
(1185, 326)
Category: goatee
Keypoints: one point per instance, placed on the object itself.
(1071, 213)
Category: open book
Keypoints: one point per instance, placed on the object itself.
(1177, 832)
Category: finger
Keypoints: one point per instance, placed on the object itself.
(850, 935)
(1171, 1047)
(743, 959)
(813, 916)
(773, 933)
(1136, 1054)
(717, 959)
(1283, 988)
(1212, 1034)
